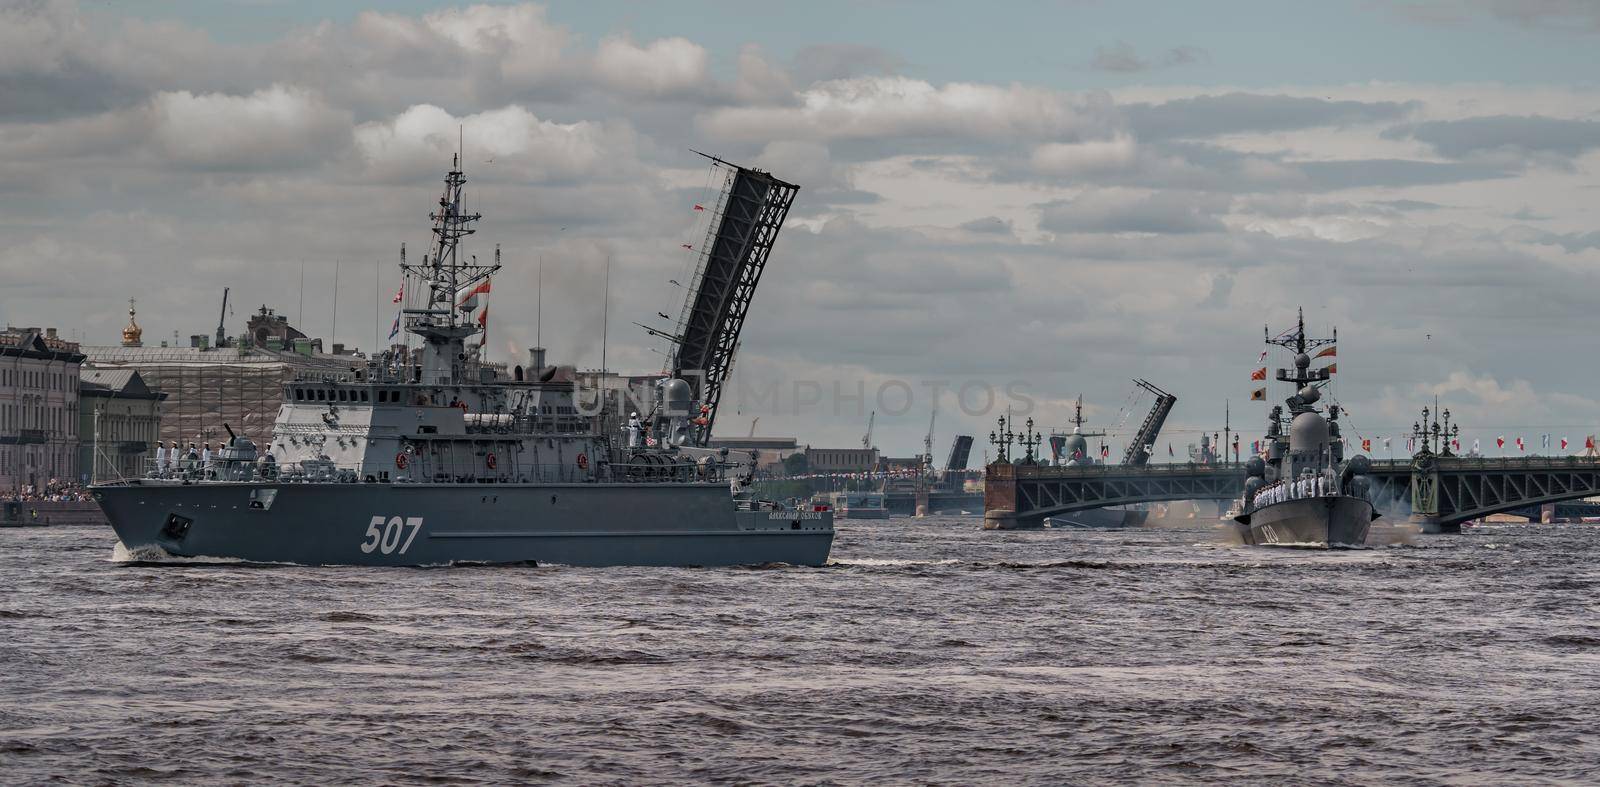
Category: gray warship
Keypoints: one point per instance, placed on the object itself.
(1304, 492)
(1071, 449)
(433, 457)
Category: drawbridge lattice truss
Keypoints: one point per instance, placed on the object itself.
(752, 211)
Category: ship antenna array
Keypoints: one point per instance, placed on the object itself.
(446, 273)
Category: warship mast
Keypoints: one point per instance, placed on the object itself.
(1302, 376)
(449, 282)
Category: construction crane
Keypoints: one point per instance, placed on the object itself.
(866, 439)
(222, 319)
(1144, 440)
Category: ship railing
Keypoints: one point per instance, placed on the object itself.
(417, 471)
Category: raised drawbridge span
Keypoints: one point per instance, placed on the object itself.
(1437, 492)
(746, 220)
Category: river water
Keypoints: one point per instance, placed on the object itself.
(930, 651)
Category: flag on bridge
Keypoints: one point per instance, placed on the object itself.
(1475, 445)
(400, 294)
(1330, 352)
(1500, 441)
(1263, 356)
(1366, 444)
(699, 207)
(1386, 443)
(1333, 368)
(1563, 443)
(1258, 395)
(1544, 441)
(1520, 447)
(1169, 450)
(1259, 374)
(394, 330)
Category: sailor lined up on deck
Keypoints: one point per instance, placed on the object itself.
(633, 429)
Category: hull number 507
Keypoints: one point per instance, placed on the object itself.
(389, 535)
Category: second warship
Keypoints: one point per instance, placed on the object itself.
(1071, 449)
(1303, 492)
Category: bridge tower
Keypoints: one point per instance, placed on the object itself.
(1433, 442)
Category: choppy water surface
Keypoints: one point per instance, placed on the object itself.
(930, 652)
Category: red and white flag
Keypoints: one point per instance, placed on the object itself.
(1263, 356)
(468, 293)
(400, 294)
(699, 207)
(1259, 374)
(1500, 441)
(1519, 443)
(686, 247)
(1563, 443)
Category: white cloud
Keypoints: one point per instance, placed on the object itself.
(518, 38)
(415, 142)
(274, 126)
(1069, 159)
(661, 67)
(886, 107)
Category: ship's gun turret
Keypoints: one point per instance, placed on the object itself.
(1355, 476)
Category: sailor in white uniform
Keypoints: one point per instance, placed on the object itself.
(633, 429)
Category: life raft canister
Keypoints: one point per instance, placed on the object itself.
(400, 460)
(583, 461)
(489, 461)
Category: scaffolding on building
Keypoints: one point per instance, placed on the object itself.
(240, 387)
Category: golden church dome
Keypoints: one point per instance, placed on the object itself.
(132, 334)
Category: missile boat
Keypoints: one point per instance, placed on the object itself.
(1302, 491)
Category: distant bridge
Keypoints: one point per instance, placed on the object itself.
(1436, 492)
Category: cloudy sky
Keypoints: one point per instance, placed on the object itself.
(1052, 196)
